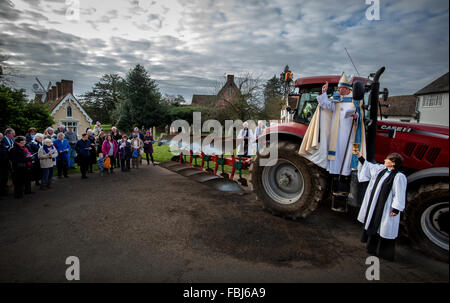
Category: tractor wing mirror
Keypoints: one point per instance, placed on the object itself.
(358, 90)
(385, 94)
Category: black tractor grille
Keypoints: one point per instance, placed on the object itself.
(420, 151)
(432, 154)
(409, 148)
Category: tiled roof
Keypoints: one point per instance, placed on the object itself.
(439, 85)
(203, 100)
(400, 106)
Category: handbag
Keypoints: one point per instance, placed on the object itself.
(107, 163)
(135, 153)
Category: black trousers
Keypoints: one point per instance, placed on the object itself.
(113, 162)
(84, 162)
(4, 171)
(125, 164)
(21, 181)
(36, 172)
(151, 156)
(62, 164)
(379, 246)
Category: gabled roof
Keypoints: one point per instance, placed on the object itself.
(400, 106)
(439, 85)
(216, 100)
(60, 101)
(229, 83)
(203, 100)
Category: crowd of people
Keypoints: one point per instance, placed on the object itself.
(33, 157)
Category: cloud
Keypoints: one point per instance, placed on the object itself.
(187, 45)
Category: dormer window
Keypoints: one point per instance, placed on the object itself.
(69, 111)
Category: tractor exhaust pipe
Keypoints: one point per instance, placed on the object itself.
(372, 129)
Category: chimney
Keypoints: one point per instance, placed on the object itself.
(50, 95)
(38, 98)
(47, 96)
(230, 78)
(54, 94)
(67, 87)
(59, 89)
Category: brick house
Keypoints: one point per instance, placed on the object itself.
(225, 96)
(65, 108)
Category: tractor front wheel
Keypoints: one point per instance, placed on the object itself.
(427, 219)
(292, 187)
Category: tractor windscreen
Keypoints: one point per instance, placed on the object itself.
(308, 101)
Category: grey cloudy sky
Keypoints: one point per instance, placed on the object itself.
(188, 46)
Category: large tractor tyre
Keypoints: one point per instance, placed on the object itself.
(291, 188)
(427, 220)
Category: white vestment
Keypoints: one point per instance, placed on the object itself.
(345, 125)
(251, 143)
(396, 200)
(315, 143)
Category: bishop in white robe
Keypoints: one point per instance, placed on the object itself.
(332, 123)
(383, 201)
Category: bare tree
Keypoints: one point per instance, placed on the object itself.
(7, 73)
(247, 102)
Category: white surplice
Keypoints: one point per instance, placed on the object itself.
(345, 125)
(396, 200)
(251, 143)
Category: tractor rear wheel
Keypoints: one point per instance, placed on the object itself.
(427, 220)
(291, 188)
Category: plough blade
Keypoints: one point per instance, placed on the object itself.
(204, 177)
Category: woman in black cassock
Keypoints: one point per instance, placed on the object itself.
(384, 199)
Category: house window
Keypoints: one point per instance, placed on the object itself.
(432, 101)
(73, 124)
(69, 111)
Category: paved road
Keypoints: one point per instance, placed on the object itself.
(153, 225)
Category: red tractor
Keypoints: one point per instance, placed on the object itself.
(294, 186)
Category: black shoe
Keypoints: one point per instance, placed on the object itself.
(84, 177)
(59, 177)
(66, 176)
(30, 193)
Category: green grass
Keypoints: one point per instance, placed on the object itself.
(162, 154)
(106, 127)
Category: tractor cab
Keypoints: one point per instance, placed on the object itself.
(308, 90)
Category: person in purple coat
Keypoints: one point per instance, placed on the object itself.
(110, 149)
(62, 146)
(148, 146)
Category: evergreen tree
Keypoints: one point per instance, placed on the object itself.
(272, 89)
(143, 105)
(101, 102)
(21, 114)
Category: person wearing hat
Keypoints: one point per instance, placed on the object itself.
(347, 116)
(326, 139)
